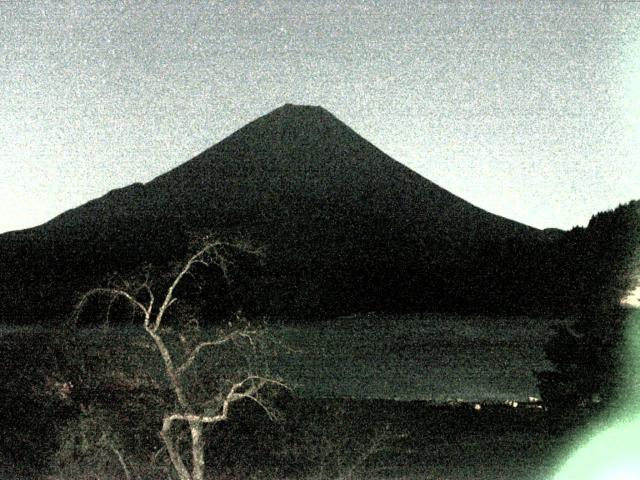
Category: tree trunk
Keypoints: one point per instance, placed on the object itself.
(174, 454)
(197, 450)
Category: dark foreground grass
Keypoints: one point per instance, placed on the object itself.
(346, 438)
(356, 439)
(314, 438)
(328, 438)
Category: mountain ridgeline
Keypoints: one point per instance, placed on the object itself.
(345, 229)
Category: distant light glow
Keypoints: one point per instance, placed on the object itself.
(632, 299)
(613, 453)
(625, 472)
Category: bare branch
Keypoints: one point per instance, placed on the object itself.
(211, 248)
(248, 335)
(152, 298)
(211, 253)
(123, 464)
(169, 366)
(267, 411)
(169, 299)
(174, 454)
(194, 353)
(375, 447)
(108, 314)
(113, 293)
(252, 395)
(233, 396)
(213, 343)
(271, 381)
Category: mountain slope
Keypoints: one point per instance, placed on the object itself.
(346, 227)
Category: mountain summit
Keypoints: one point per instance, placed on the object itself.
(346, 228)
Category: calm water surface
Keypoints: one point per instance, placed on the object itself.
(410, 357)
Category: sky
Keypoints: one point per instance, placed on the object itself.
(530, 110)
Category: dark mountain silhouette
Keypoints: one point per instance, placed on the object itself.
(346, 228)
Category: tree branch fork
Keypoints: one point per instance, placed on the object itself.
(210, 254)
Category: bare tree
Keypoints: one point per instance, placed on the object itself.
(195, 414)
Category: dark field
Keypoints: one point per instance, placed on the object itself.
(415, 440)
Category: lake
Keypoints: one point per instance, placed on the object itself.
(414, 357)
(395, 357)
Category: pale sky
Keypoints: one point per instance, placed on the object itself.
(530, 110)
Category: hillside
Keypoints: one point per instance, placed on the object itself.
(346, 228)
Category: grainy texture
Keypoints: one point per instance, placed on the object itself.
(527, 109)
